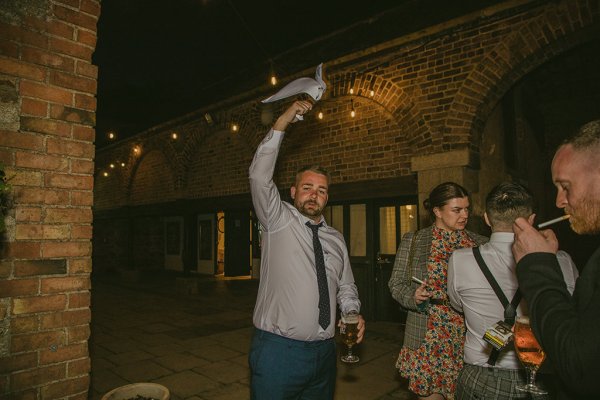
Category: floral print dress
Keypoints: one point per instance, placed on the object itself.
(434, 366)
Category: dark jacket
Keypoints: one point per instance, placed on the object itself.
(568, 328)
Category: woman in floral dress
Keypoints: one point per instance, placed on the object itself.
(432, 351)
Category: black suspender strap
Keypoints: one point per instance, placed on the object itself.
(510, 309)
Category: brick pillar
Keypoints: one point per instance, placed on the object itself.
(460, 166)
(47, 118)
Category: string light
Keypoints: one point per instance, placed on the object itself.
(111, 135)
(112, 166)
(122, 165)
(105, 174)
(174, 135)
(234, 128)
(352, 84)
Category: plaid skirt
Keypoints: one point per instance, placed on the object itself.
(483, 383)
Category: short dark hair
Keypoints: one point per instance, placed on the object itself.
(587, 137)
(317, 169)
(506, 202)
(441, 194)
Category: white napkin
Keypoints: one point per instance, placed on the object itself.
(313, 87)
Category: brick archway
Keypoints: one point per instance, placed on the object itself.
(245, 116)
(405, 112)
(159, 144)
(558, 29)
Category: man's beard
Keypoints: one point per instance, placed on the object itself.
(586, 220)
(316, 211)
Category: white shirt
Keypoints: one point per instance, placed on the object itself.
(470, 292)
(288, 295)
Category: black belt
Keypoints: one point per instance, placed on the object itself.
(439, 302)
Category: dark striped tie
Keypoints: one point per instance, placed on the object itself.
(324, 312)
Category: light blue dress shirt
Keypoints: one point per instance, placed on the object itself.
(288, 297)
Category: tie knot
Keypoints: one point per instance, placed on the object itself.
(314, 227)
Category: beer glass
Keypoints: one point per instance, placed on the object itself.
(530, 353)
(349, 331)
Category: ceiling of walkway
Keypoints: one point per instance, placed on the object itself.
(564, 93)
(161, 59)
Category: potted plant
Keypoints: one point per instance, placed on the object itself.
(139, 391)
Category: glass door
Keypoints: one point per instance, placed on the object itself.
(206, 244)
(372, 230)
(392, 221)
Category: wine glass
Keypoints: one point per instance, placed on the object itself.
(349, 330)
(530, 353)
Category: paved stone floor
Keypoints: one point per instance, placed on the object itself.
(192, 335)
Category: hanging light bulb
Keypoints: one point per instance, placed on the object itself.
(111, 135)
(273, 78)
(122, 165)
(234, 127)
(351, 90)
(352, 112)
(112, 165)
(372, 93)
(320, 115)
(105, 174)
(174, 135)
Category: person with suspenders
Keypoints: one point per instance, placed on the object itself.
(482, 283)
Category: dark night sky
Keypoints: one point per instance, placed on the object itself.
(161, 59)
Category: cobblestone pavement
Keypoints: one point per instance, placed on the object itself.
(192, 335)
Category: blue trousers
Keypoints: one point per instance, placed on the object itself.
(285, 368)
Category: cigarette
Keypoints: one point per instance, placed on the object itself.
(417, 280)
(553, 221)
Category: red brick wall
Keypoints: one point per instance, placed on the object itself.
(152, 182)
(422, 103)
(433, 92)
(46, 144)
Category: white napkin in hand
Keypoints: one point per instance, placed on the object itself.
(313, 87)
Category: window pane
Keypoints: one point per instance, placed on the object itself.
(327, 214)
(408, 218)
(358, 230)
(334, 215)
(387, 230)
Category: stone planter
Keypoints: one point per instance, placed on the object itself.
(152, 390)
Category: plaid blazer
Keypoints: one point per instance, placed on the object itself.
(403, 288)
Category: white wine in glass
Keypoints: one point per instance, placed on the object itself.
(530, 353)
(349, 331)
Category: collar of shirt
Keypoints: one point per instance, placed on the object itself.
(312, 222)
(504, 237)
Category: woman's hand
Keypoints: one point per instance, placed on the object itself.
(422, 294)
